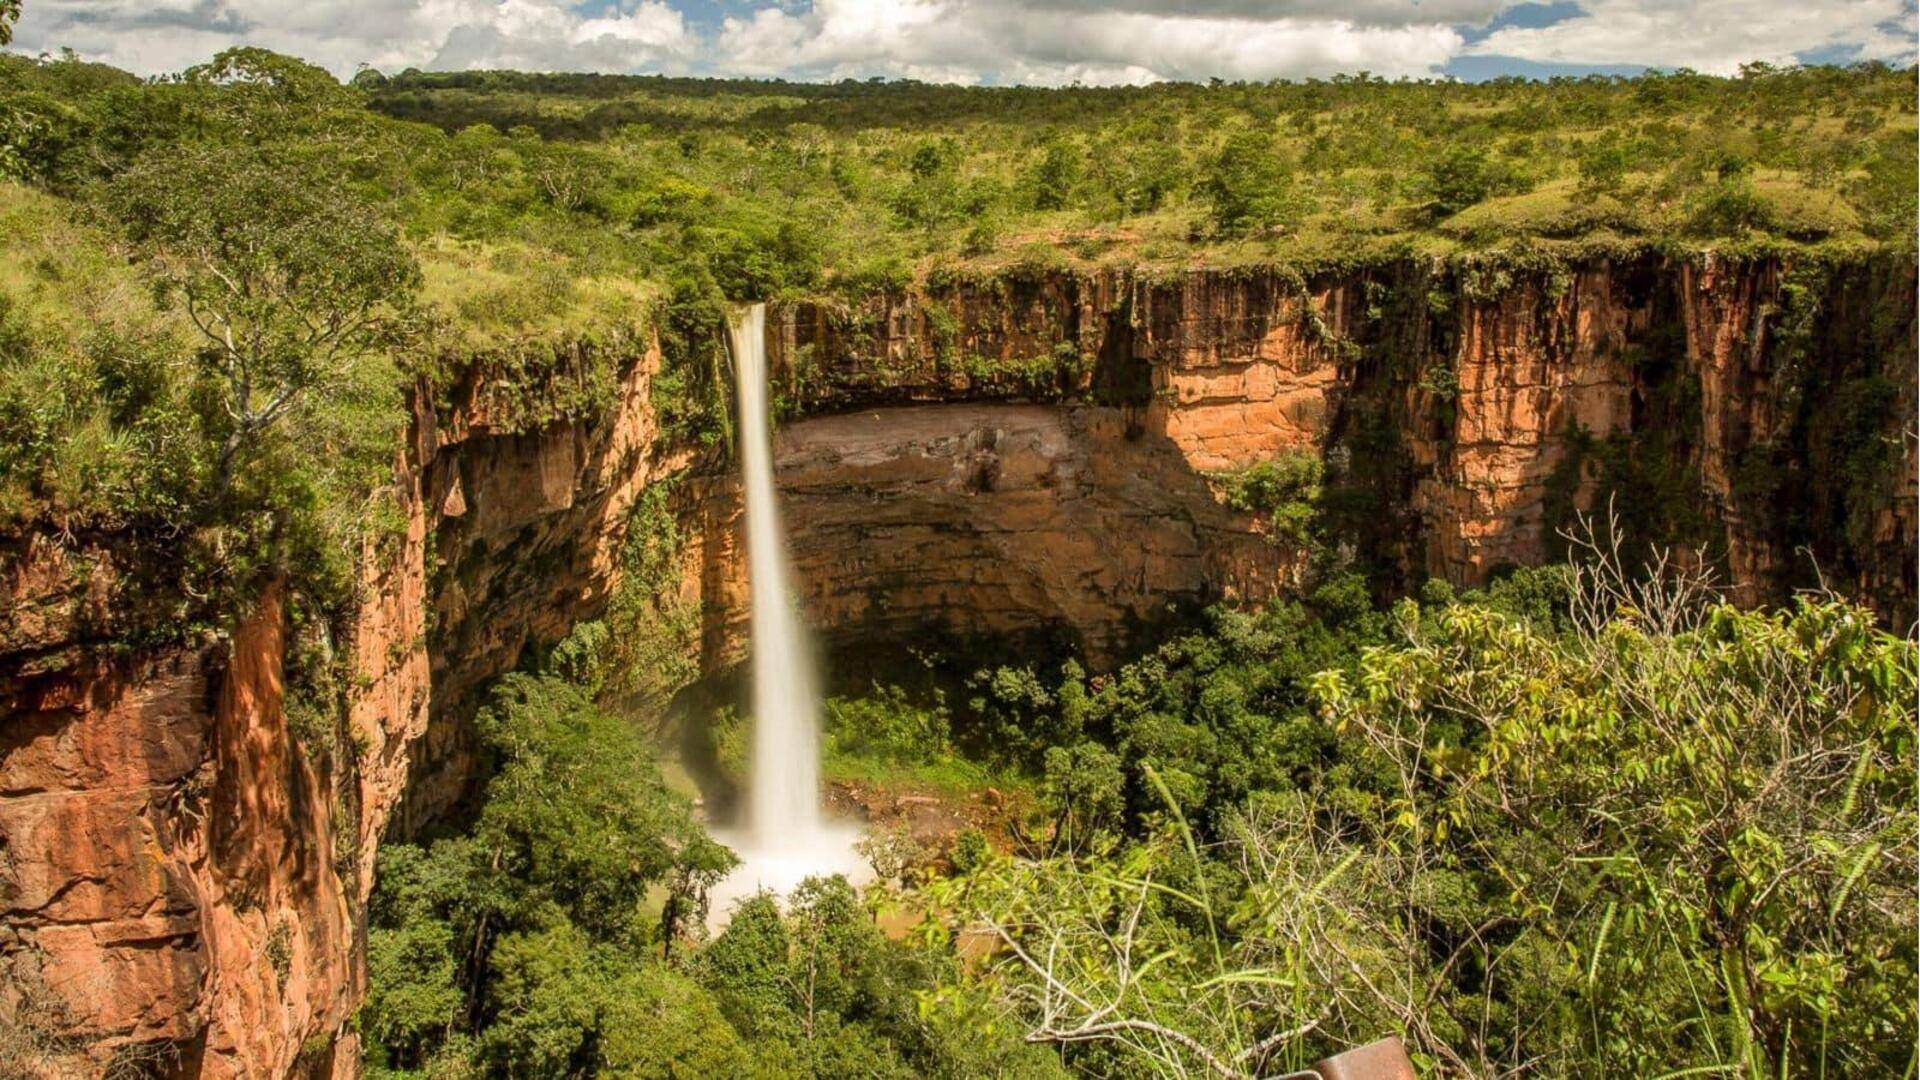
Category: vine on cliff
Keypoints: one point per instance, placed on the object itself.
(652, 629)
(527, 386)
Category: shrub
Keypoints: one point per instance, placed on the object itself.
(1463, 175)
(1285, 488)
(1731, 207)
(886, 726)
(1248, 187)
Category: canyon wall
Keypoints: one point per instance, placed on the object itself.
(182, 871)
(1043, 451)
(175, 876)
(989, 521)
(1759, 411)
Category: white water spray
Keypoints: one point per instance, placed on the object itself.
(784, 839)
(785, 795)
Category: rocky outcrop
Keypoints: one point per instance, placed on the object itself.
(171, 877)
(989, 521)
(527, 531)
(181, 875)
(1469, 407)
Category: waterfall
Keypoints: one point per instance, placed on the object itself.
(785, 795)
(783, 838)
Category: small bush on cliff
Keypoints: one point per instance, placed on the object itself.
(1285, 488)
(1732, 207)
(97, 426)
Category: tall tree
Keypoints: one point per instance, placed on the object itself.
(293, 282)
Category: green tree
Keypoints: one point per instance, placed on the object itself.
(532, 937)
(569, 818)
(413, 990)
(1140, 166)
(1886, 191)
(1463, 175)
(297, 287)
(1055, 178)
(1083, 784)
(746, 967)
(566, 1006)
(1018, 716)
(1248, 186)
(1708, 806)
(1604, 164)
(261, 81)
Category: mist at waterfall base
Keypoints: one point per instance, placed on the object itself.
(784, 838)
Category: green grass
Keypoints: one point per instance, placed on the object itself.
(63, 277)
(1804, 212)
(948, 776)
(1558, 211)
(496, 293)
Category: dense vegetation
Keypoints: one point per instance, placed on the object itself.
(1589, 822)
(1315, 167)
(553, 938)
(1585, 827)
(1586, 822)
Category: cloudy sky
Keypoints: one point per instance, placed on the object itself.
(987, 41)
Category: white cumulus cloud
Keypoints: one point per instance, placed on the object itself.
(1001, 41)
(151, 36)
(1714, 36)
(1005, 41)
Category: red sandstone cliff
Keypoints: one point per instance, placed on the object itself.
(170, 875)
(1467, 391)
(178, 874)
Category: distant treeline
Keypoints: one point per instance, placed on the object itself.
(454, 99)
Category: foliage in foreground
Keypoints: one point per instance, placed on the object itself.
(1672, 835)
(1584, 822)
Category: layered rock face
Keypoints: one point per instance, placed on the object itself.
(527, 531)
(176, 879)
(182, 877)
(1036, 452)
(1472, 410)
(991, 520)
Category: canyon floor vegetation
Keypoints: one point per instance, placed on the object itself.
(1590, 820)
(1584, 822)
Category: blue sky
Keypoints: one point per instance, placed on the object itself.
(1046, 42)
